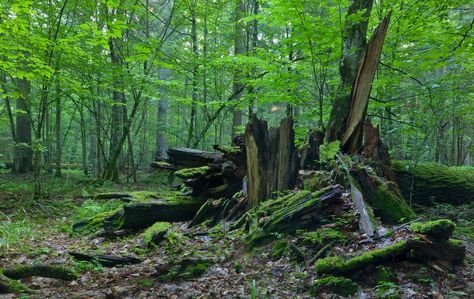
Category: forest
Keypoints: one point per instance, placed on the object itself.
(236, 149)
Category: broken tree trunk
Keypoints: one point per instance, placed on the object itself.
(272, 159)
(286, 214)
(351, 140)
(309, 154)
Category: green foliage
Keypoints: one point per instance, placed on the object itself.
(327, 153)
(388, 290)
(332, 284)
(324, 235)
(279, 248)
(440, 229)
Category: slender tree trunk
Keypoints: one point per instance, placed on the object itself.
(23, 158)
(162, 117)
(239, 49)
(57, 129)
(194, 96)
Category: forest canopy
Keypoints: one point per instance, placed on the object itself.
(134, 77)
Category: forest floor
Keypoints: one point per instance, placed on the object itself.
(40, 232)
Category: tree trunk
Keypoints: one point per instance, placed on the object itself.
(239, 48)
(353, 40)
(162, 116)
(23, 159)
(272, 162)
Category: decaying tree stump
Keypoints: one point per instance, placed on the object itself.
(309, 154)
(272, 159)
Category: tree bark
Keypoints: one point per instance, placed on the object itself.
(353, 40)
(23, 161)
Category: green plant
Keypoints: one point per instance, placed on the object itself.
(327, 153)
(387, 290)
(253, 290)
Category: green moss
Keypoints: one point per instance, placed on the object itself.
(384, 274)
(323, 236)
(189, 173)
(332, 284)
(50, 271)
(440, 229)
(11, 286)
(185, 269)
(434, 182)
(454, 242)
(338, 265)
(94, 223)
(155, 233)
(387, 204)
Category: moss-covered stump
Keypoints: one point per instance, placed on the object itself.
(286, 214)
(438, 230)
(183, 270)
(334, 284)
(155, 233)
(386, 201)
(433, 182)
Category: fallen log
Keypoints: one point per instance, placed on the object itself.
(145, 209)
(186, 157)
(9, 276)
(286, 214)
(106, 260)
(428, 183)
(136, 216)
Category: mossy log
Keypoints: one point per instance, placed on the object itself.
(385, 200)
(412, 249)
(428, 183)
(338, 285)
(9, 276)
(136, 216)
(141, 214)
(106, 260)
(286, 214)
(186, 157)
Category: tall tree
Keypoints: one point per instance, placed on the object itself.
(354, 37)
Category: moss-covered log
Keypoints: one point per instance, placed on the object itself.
(136, 216)
(9, 276)
(11, 286)
(50, 271)
(429, 182)
(385, 200)
(141, 213)
(412, 249)
(286, 214)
